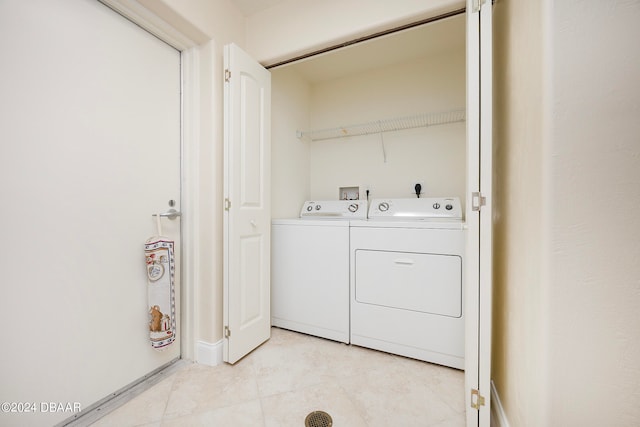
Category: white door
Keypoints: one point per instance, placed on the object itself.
(479, 237)
(247, 216)
(89, 150)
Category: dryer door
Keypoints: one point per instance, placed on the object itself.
(426, 283)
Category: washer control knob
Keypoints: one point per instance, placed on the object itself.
(309, 208)
(448, 207)
(436, 205)
(383, 207)
(353, 207)
(318, 207)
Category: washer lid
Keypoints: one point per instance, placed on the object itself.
(425, 209)
(334, 209)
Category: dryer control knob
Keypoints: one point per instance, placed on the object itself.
(309, 208)
(383, 207)
(436, 205)
(353, 207)
(318, 207)
(448, 207)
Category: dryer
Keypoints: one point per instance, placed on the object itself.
(310, 268)
(407, 279)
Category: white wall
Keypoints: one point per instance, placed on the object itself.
(290, 110)
(520, 205)
(594, 297)
(433, 156)
(566, 323)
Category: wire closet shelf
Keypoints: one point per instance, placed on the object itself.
(386, 125)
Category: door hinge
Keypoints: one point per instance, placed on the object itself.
(227, 204)
(227, 75)
(479, 399)
(227, 332)
(477, 5)
(477, 201)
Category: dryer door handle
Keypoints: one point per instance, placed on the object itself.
(404, 261)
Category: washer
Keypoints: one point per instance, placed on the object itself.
(407, 279)
(310, 268)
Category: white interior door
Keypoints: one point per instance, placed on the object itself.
(90, 126)
(247, 217)
(479, 214)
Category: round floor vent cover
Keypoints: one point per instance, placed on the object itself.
(318, 419)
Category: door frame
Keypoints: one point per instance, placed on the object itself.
(189, 165)
(479, 214)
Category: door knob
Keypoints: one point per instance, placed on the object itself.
(171, 214)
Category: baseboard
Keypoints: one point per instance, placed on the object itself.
(498, 417)
(92, 413)
(209, 354)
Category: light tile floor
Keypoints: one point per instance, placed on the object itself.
(293, 374)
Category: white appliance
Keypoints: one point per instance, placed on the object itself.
(407, 279)
(310, 268)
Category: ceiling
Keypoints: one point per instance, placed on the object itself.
(419, 42)
(249, 7)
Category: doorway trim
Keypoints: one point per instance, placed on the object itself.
(144, 17)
